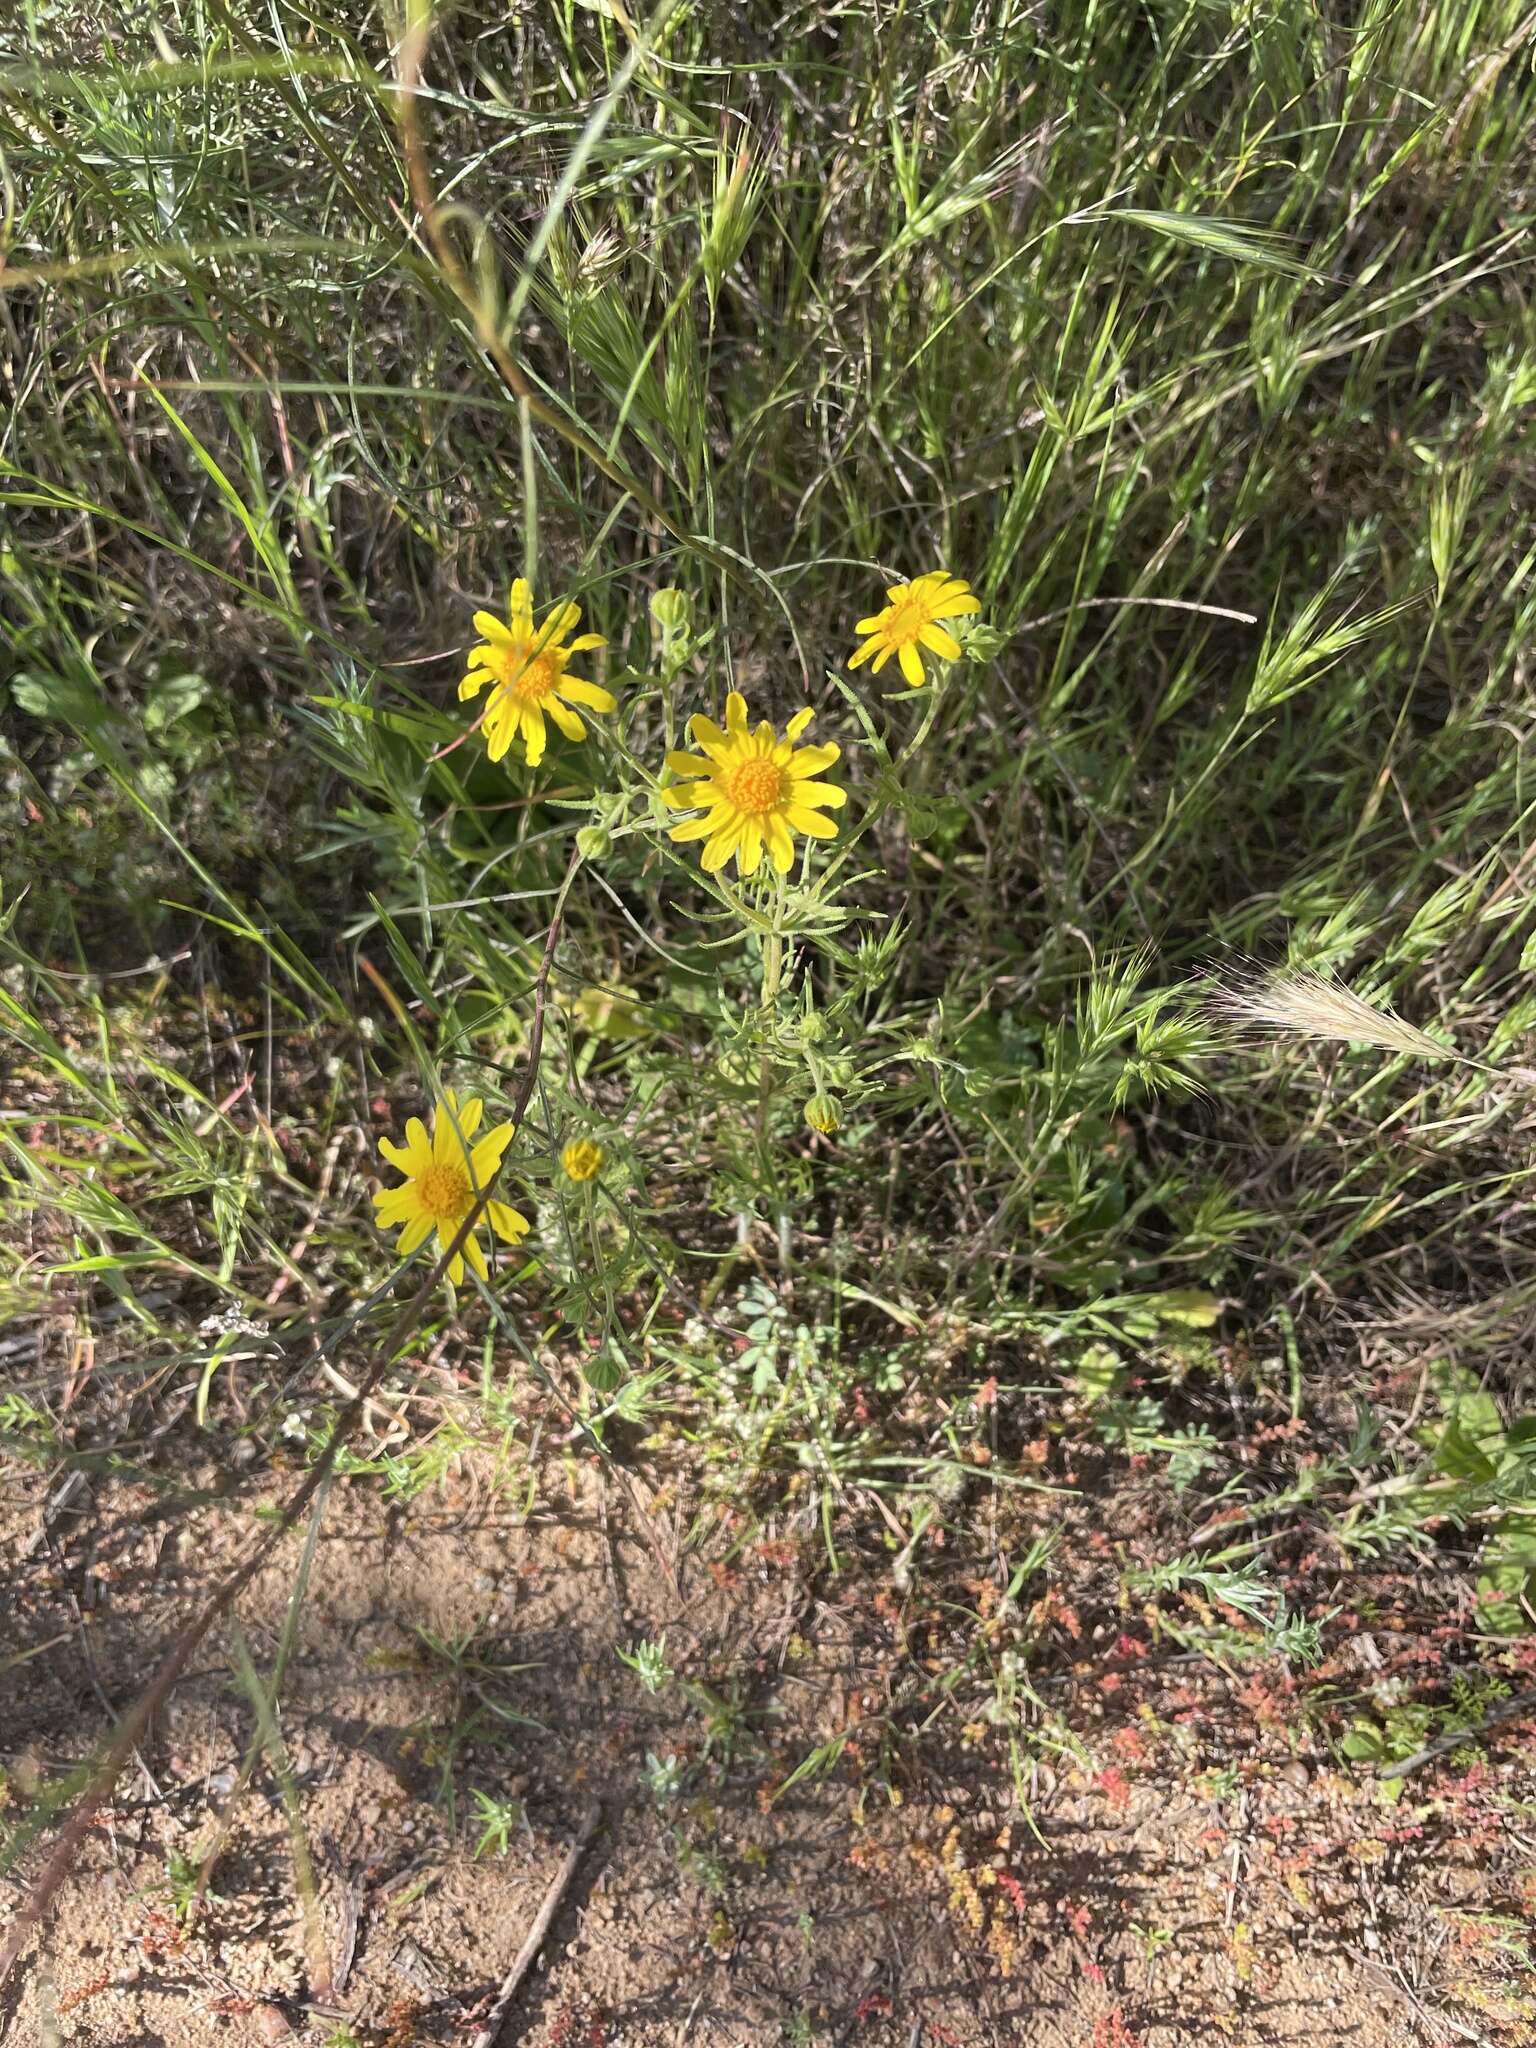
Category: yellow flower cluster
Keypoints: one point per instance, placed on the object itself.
(756, 791)
(748, 792)
(527, 669)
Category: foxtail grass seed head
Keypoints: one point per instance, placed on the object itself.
(912, 622)
(444, 1174)
(527, 669)
(756, 790)
(582, 1160)
(1307, 1004)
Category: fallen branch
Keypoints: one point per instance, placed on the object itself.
(490, 2033)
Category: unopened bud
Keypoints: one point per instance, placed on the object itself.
(821, 1114)
(672, 609)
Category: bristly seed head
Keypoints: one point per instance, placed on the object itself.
(1313, 1005)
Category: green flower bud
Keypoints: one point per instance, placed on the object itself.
(593, 841)
(672, 609)
(821, 1113)
(981, 642)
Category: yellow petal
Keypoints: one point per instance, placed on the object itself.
(413, 1235)
(486, 1156)
(873, 624)
(826, 793)
(799, 723)
(882, 657)
(475, 1256)
(446, 1149)
(473, 684)
(683, 796)
(584, 641)
(522, 601)
(719, 849)
(736, 713)
(489, 627)
(955, 606)
(593, 695)
(570, 722)
(937, 641)
(534, 734)
(811, 760)
(749, 853)
(688, 764)
(781, 848)
(708, 735)
(500, 725)
(694, 828)
(509, 1224)
(912, 666)
(858, 659)
(811, 823)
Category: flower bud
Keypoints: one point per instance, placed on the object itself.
(821, 1113)
(593, 841)
(980, 641)
(582, 1159)
(672, 609)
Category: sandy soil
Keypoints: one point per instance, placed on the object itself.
(452, 1644)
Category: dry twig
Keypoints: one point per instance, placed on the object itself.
(490, 2033)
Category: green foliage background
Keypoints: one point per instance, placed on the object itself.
(1199, 339)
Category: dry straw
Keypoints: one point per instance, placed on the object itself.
(1306, 1004)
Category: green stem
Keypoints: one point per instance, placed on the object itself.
(773, 974)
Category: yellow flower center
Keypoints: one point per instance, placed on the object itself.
(908, 617)
(755, 787)
(444, 1192)
(529, 680)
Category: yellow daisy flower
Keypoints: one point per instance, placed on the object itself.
(911, 620)
(442, 1176)
(758, 789)
(526, 667)
(582, 1159)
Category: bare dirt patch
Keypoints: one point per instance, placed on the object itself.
(1209, 1870)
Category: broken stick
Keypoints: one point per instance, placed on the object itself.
(491, 2031)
